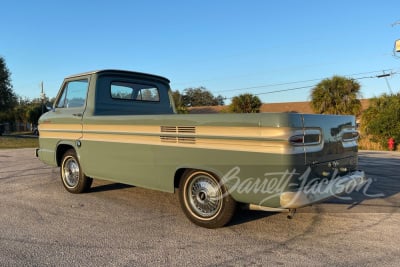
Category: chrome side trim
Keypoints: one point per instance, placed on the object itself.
(262, 208)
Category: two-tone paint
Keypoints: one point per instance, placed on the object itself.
(148, 145)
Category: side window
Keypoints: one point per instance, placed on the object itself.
(74, 94)
(134, 91)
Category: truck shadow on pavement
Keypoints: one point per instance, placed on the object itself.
(381, 193)
(108, 187)
(244, 216)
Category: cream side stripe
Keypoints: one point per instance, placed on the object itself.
(269, 132)
(231, 145)
(116, 138)
(58, 135)
(155, 140)
(266, 132)
(121, 128)
(60, 127)
(124, 135)
(249, 146)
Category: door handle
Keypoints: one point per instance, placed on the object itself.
(77, 114)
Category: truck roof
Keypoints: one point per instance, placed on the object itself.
(123, 72)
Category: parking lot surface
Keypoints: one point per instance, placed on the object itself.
(41, 224)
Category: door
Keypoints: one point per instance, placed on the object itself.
(63, 125)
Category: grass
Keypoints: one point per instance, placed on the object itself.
(366, 143)
(18, 141)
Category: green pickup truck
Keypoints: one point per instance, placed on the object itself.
(122, 126)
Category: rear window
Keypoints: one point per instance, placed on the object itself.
(134, 92)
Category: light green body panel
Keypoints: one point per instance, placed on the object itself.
(155, 165)
(48, 149)
(117, 157)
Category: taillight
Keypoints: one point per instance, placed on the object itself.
(296, 139)
(350, 136)
(306, 138)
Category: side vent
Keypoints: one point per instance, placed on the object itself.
(186, 129)
(168, 129)
(168, 139)
(178, 134)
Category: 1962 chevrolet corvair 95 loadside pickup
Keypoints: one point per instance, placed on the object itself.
(121, 126)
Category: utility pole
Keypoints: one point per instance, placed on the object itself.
(42, 96)
(385, 75)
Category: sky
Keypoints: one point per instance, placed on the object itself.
(278, 50)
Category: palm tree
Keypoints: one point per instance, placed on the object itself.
(245, 103)
(338, 95)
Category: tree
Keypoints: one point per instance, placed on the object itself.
(200, 96)
(338, 95)
(33, 112)
(245, 103)
(7, 97)
(220, 100)
(20, 113)
(178, 100)
(382, 119)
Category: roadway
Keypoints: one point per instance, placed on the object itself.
(41, 224)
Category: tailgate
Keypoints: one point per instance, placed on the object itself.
(337, 147)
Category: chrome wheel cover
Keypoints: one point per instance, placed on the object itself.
(70, 172)
(204, 196)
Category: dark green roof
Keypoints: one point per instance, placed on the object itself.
(122, 72)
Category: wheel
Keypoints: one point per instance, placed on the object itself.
(204, 200)
(72, 176)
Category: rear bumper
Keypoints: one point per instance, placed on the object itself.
(322, 191)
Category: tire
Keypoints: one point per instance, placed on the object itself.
(72, 176)
(204, 200)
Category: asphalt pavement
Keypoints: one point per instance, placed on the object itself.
(41, 224)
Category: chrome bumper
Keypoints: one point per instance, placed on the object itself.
(322, 191)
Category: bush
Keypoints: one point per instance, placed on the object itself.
(382, 119)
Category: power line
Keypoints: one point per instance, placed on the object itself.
(384, 75)
(266, 85)
(304, 81)
(279, 91)
(285, 90)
